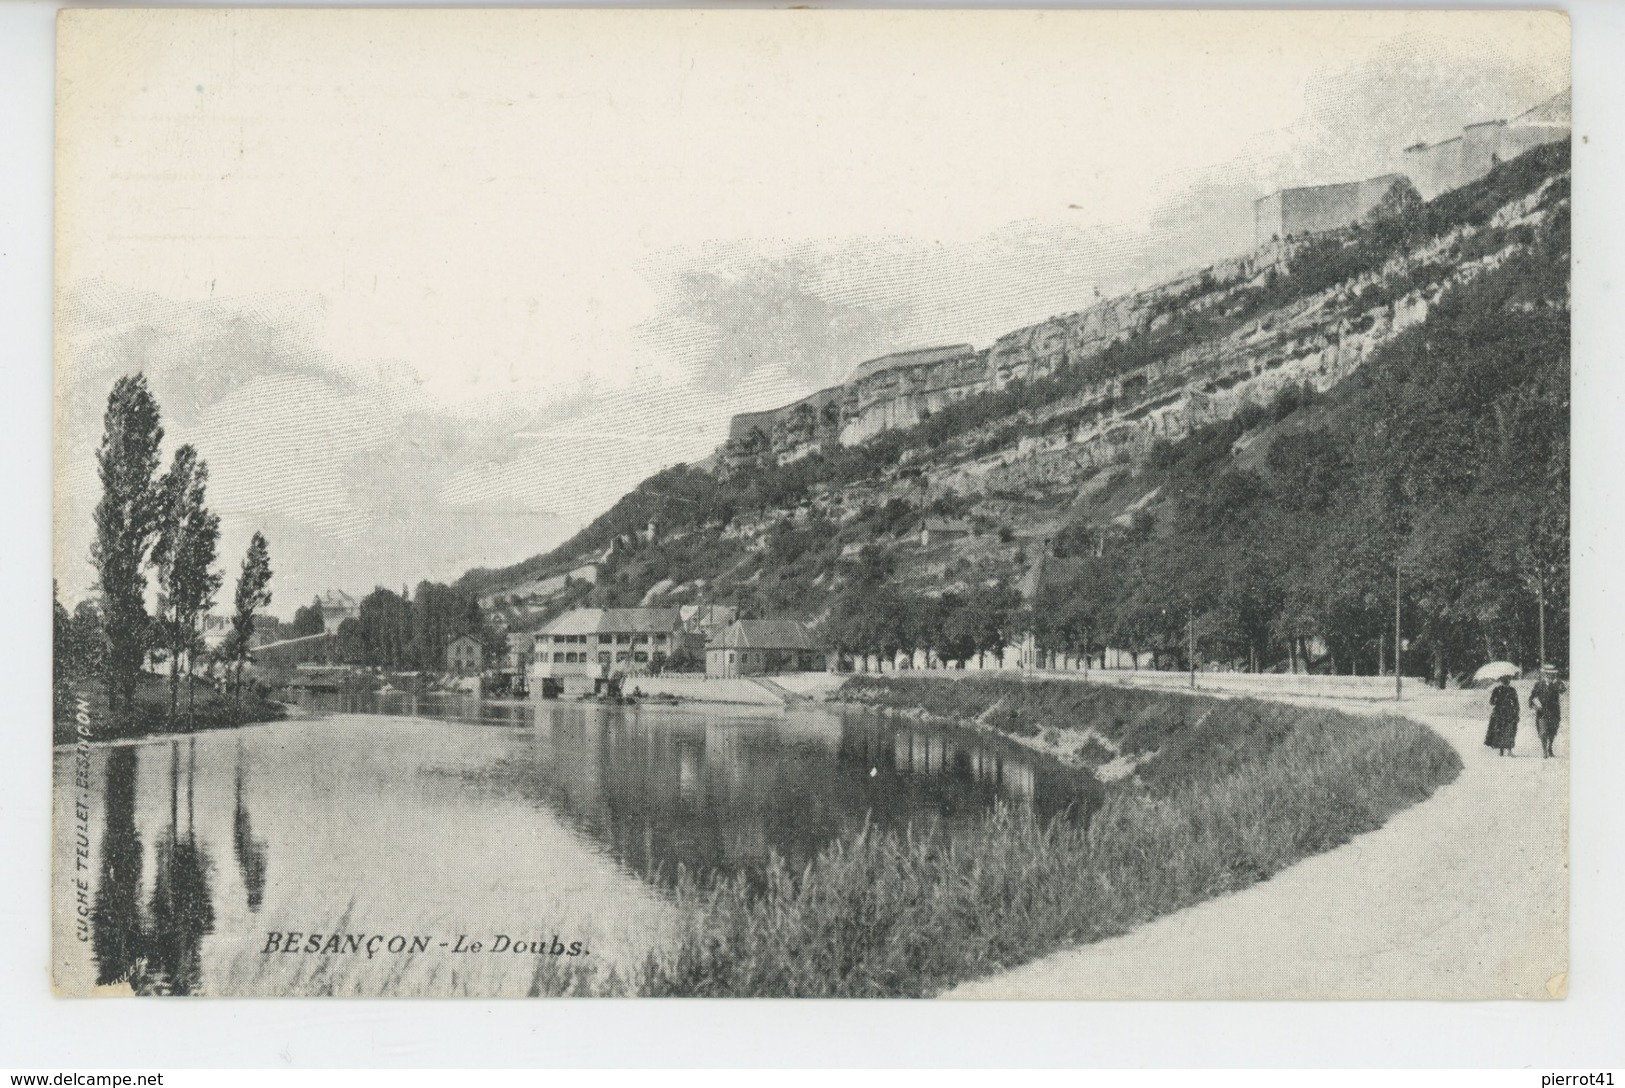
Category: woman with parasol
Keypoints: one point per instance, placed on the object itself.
(1503, 716)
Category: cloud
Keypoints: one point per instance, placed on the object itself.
(734, 311)
(342, 462)
(800, 316)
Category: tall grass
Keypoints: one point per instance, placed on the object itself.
(910, 914)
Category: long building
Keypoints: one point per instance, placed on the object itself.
(591, 650)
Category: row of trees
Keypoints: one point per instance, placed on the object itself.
(409, 632)
(873, 617)
(159, 524)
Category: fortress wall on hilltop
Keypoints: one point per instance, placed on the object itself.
(1436, 168)
(740, 426)
(1431, 168)
(777, 419)
(1316, 209)
(908, 359)
(897, 390)
(1452, 163)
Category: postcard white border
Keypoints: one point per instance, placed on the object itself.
(38, 1030)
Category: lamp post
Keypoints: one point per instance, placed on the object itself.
(1540, 597)
(1398, 682)
(1190, 637)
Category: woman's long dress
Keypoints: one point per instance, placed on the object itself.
(1503, 717)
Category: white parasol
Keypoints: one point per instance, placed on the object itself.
(1495, 670)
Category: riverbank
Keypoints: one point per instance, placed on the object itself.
(207, 709)
(1112, 731)
(1463, 897)
(1205, 797)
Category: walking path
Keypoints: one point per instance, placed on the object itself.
(1462, 896)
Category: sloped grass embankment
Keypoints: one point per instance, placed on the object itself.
(1226, 793)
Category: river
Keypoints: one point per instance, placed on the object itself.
(443, 820)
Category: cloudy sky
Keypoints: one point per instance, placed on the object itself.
(431, 289)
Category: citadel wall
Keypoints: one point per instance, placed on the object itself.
(1315, 209)
(900, 389)
(1450, 164)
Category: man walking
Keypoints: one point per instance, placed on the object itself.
(1546, 698)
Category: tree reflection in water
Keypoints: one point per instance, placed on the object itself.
(158, 953)
(117, 931)
(250, 852)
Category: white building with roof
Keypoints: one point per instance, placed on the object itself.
(337, 606)
(591, 650)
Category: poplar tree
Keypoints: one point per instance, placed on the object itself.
(127, 522)
(252, 595)
(187, 544)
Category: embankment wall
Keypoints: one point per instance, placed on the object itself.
(709, 690)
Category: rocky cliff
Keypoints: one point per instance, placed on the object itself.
(899, 390)
(1061, 429)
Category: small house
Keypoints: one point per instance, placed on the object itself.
(338, 606)
(938, 530)
(465, 656)
(757, 647)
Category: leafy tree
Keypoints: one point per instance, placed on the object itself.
(349, 647)
(183, 556)
(385, 621)
(127, 523)
(994, 616)
(684, 659)
(76, 645)
(253, 593)
(308, 619)
(955, 629)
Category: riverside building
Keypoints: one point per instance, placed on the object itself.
(589, 651)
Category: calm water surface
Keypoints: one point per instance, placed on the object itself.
(444, 816)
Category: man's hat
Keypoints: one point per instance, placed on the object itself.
(1548, 668)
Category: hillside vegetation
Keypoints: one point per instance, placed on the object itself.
(1250, 467)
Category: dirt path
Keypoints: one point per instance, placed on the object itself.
(1462, 896)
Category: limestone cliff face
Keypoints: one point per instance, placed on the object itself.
(899, 390)
(880, 398)
(1148, 371)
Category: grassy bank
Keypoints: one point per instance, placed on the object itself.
(1159, 738)
(150, 716)
(1222, 794)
